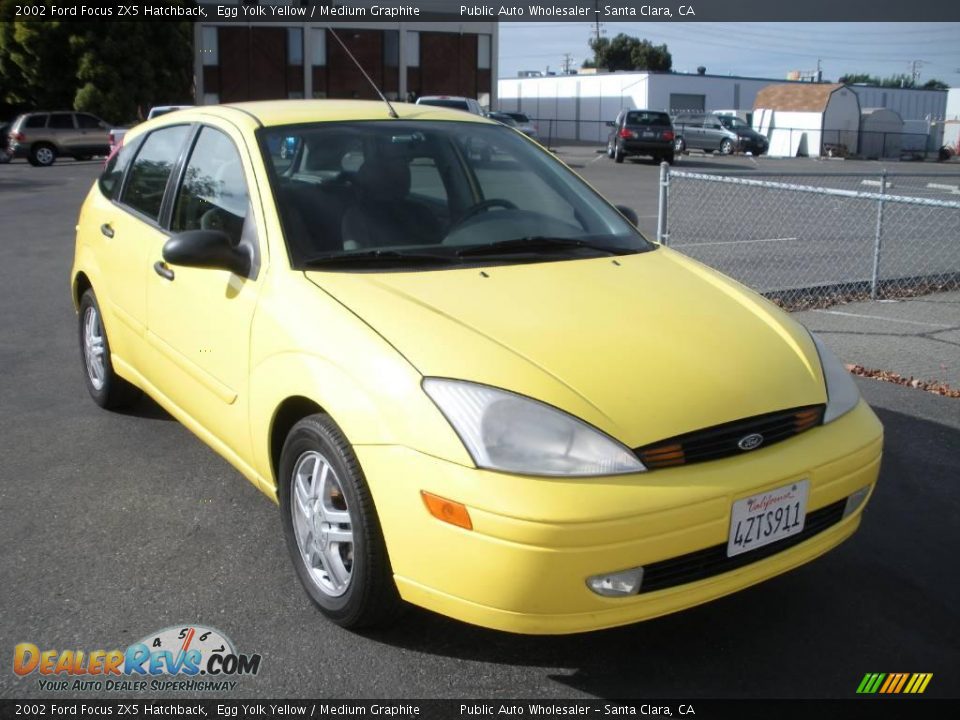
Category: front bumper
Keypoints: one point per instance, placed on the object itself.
(535, 541)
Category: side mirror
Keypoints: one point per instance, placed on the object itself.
(629, 213)
(610, 123)
(206, 249)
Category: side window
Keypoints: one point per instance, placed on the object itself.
(61, 121)
(36, 121)
(213, 195)
(88, 122)
(151, 169)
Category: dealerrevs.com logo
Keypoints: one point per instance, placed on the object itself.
(180, 658)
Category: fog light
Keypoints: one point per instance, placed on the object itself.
(855, 501)
(618, 584)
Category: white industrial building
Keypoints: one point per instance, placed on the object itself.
(576, 107)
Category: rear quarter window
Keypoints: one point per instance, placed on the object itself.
(151, 169)
(112, 176)
(35, 121)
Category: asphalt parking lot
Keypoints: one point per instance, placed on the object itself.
(116, 525)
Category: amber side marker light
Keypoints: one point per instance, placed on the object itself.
(447, 510)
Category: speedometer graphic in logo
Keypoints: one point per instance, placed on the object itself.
(198, 642)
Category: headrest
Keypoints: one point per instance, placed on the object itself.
(385, 176)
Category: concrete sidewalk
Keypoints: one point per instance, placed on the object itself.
(915, 337)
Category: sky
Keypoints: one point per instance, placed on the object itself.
(767, 49)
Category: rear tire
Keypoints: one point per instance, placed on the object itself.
(108, 390)
(331, 527)
(43, 155)
(618, 154)
(670, 158)
(726, 147)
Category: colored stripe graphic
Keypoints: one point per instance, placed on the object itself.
(894, 683)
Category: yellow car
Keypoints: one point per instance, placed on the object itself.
(467, 380)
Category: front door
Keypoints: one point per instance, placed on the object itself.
(198, 319)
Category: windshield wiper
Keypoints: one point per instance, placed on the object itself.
(381, 256)
(539, 243)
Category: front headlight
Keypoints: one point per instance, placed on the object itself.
(505, 431)
(842, 392)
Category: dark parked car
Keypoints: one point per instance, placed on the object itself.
(724, 134)
(41, 137)
(641, 132)
(525, 124)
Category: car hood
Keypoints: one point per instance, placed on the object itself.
(643, 346)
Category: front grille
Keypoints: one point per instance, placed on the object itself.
(712, 561)
(721, 441)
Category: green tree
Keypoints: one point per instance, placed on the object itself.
(35, 62)
(122, 74)
(117, 70)
(629, 53)
(902, 80)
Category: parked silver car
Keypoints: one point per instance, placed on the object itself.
(41, 137)
(724, 134)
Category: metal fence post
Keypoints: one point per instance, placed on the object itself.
(878, 236)
(662, 234)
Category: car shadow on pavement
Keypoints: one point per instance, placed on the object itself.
(883, 598)
(147, 409)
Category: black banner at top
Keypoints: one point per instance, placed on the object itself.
(366, 11)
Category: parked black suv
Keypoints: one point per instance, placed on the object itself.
(641, 132)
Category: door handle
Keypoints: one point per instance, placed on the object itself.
(161, 269)
(107, 230)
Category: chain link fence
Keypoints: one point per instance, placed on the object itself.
(814, 240)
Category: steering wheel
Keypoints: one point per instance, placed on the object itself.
(483, 206)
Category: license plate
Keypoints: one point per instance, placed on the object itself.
(767, 517)
(648, 134)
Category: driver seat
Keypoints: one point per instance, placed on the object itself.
(384, 215)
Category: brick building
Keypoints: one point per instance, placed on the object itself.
(263, 61)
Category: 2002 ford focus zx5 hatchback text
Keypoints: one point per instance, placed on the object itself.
(469, 382)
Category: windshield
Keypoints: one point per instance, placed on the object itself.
(432, 194)
(733, 123)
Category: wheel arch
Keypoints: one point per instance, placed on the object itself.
(290, 411)
(81, 283)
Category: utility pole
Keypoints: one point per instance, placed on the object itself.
(819, 70)
(567, 63)
(915, 71)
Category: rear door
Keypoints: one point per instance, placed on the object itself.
(126, 232)
(62, 132)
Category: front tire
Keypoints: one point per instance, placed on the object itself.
(107, 389)
(331, 527)
(726, 147)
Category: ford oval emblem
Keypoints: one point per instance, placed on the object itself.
(750, 442)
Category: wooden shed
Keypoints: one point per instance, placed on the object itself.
(808, 119)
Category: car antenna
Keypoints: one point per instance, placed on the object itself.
(392, 112)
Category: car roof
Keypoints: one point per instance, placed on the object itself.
(276, 113)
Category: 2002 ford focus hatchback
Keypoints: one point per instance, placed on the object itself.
(466, 379)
